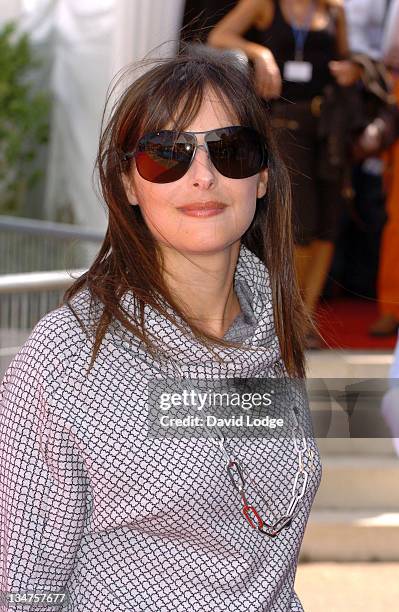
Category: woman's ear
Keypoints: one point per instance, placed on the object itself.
(129, 189)
(262, 183)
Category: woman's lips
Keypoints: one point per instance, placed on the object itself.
(203, 209)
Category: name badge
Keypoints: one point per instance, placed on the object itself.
(299, 72)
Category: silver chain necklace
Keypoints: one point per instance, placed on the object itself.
(236, 475)
(235, 472)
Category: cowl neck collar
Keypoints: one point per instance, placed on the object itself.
(260, 352)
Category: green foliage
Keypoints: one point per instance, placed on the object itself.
(24, 113)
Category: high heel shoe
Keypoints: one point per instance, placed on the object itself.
(313, 341)
(386, 325)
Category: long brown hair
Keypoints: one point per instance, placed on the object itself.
(129, 259)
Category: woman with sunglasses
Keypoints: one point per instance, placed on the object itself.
(192, 288)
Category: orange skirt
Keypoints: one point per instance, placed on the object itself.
(388, 275)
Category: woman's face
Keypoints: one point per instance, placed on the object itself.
(229, 203)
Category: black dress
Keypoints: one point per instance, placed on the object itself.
(317, 202)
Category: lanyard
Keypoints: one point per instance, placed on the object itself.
(301, 32)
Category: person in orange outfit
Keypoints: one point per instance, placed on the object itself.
(388, 276)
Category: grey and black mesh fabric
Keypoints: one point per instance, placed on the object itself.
(93, 506)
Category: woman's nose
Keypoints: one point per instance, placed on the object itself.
(202, 171)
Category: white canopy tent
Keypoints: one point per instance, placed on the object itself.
(89, 42)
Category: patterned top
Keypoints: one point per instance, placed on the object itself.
(93, 506)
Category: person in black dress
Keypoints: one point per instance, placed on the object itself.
(297, 47)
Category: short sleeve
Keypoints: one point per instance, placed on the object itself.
(43, 485)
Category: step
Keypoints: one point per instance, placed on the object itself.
(364, 483)
(348, 587)
(351, 536)
(363, 447)
(348, 364)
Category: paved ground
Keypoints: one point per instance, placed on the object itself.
(348, 587)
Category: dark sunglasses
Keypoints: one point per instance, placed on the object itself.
(163, 157)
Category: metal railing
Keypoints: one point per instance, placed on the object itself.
(24, 300)
(29, 244)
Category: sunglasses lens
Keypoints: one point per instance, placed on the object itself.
(236, 152)
(164, 157)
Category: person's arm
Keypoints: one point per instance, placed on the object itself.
(344, 71)
(337, 8)
(390, 37)
(229, 34)
(229, 31)
(42, 477)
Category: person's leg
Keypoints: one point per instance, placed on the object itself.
(321, 254)
(321, 251)
(330, 207)
(388, 274)
(303, 259)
